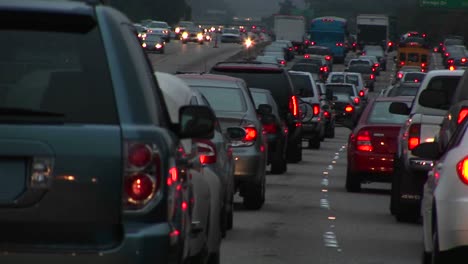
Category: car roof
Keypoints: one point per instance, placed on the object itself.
(210, 77)
(394, 99)
(259, 90)
(249, 65)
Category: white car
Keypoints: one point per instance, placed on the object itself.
(160, 28)
(231, 35)
(444, 207)
(352, 78)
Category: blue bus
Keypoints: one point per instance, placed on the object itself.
(331, 32)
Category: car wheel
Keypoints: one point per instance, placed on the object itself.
(353, 183)
(314, 143)
(294, 151)
(255, 195)
(279, 164)
(331, 130)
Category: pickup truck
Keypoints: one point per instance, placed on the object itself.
(425, 118)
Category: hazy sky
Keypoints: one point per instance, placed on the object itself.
(258, 8)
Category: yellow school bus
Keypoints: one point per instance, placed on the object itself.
(413, 54)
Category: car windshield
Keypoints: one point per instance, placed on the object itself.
(224, 99)
(153, 38)
(231, 31)
(158, 25)
(380, 114)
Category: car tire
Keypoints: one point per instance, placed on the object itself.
(353, 183)
(330, 131)
(279, 165)
(294, 153)
(314, 143)
(254, 195)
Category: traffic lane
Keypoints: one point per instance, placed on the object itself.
(192, 57)
(309, 217)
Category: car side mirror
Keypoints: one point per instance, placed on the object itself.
(196, 121)
(264, 109)
(235, 133)
(399, 108)
(427, 150)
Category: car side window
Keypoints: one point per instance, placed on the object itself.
(457, 136)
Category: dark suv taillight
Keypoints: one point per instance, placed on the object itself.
(142, 174)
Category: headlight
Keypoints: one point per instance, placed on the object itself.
(143, 45)
(248, 43)
(177, 30)
(158, 46)
(200, 36)
(185, 35)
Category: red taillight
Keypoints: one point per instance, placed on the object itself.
(462, 170)
(306, 42)
(372, 77)
(326, 114)
(373, 69)
(402, 63)
(463, 60)
(142, 174)
(139, 187)
(450, 61)
(447, 54)
(361, 93)
(294, 106)
(356, 100)
(452, 68)
(423, 64)
(207, 151)
(363, 141)
(306, 56)
(290, 49)
(316, 109)
(296, 47)
(327, 57)
(414, 135)
(139, 155)
(376, 65)
(339, 44)
(400, 75)
(390, 43)
(283, 62)
(312, 43)
(462, 115)
(250, 134)
(349, 109)
(270, 128)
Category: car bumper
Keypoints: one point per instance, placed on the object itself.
(370, 162)
(248, 162)
(142, 244)
(311, 130)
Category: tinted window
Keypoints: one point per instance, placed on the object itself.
(152, 37)
(453, 42)
(359, 62)
(380, 114)
(158, 25)
(413, 57)
(59, 68)
(318, 51)
(259, 98)
(360, 69)
(404, 90)
(312, 68)
(224, 99)
(302, 85)
(414, 77)
(276, 82)
(402, 57)
(439, 92)
(352, 79)
(337, 78)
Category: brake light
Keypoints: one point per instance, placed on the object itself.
(207, 151)
(372, 77)
(307, 56)
(390, 43)
(326, 114)
(142, 174)
(402, 63)
(312, 43)
(290, 49)
(294, 106)
(296, 47)
(339, 44)
(400, 75)
(462, 170)
(283, 62)
(423, 64)
(462, 114)
(414, 136)
(452, 68)
(250, 134)
(463, 60)
(356, 100)
(270, 128)
(306, 42)
(376, 65)
(327, 57)
(361, 93)
(450, 61)
(349, 109)
(363, 141)
(316, 109)
(447, 54)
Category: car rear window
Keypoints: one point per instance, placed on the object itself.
(352, 79)
(380, 114)
(347, 89)
(277, 82)
(359, 62)
(56, 68)
(361, 69)
(414, 77)
(318, 51)
(306, 67)
(224, 99)
(302, 85)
